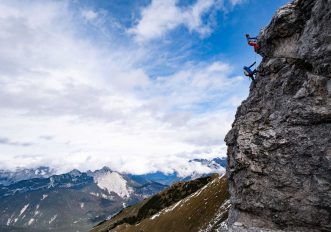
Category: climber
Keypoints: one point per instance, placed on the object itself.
(252, 41)
(248, 72)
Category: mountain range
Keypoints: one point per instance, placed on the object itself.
(9, 177)
(37, 199)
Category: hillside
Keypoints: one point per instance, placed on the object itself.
(198, 205)
(279, 147)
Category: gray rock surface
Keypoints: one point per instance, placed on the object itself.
(279, 147)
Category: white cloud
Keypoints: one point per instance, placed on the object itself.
(89, 14)
(162, 16)
(237, 2)
(96, 104)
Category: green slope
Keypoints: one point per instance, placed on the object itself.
(199, 205)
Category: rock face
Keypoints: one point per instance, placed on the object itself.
(279, 147)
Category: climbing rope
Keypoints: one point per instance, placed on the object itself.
(255, 60)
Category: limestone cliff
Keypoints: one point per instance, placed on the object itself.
(279, 147)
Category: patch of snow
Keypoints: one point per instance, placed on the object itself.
(23, 209)
(15, 220)
(31, 221)
(8, 222)
(52, 219)
(51, 182)
(155, 215)
(197, 193)
(124, 205)
(171, 208)
(107, 197)
(217, 217)
(165, 210)
(95, 194)
(36, 213)
(113, 182)
(44, 196)
(82, 205)
(37, 207)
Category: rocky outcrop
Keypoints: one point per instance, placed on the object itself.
(279, 147)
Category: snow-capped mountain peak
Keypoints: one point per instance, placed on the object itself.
(8, 177)
(113, 182)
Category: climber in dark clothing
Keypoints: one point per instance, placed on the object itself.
(252, 41)
(248, 72)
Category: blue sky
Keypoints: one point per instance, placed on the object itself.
(139, 86)
(226, 41)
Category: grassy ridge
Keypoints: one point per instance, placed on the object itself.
(191, 206)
